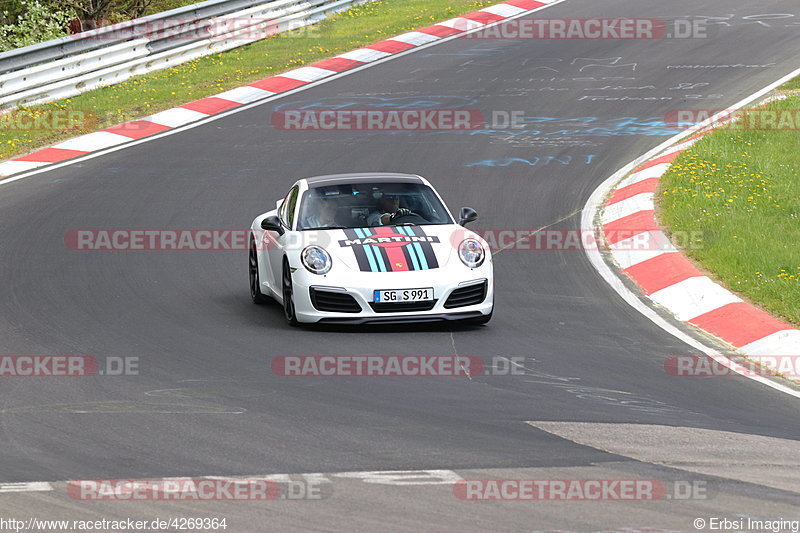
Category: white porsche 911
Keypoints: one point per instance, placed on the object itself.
(370, 248)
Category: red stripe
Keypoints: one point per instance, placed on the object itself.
(389, 46)
(483, 16)
(628, 226)
(648, 185)
(525, 4)
(739, 323)
(51, 155)
(211, 105)
(397, 260)
(669, 158)
(439, 31)
(337, 64)
(136, 129)
(277, 84)
(662, 271)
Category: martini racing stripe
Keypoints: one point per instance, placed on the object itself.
(376, 263)
(411, 251)
(395, 256)
(391, 248)
(424, 249)
(364, 263)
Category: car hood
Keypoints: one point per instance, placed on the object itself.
(396, 248)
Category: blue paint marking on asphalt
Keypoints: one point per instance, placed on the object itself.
(439, 101)
(586, 159)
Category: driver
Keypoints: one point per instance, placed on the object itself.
(388, 208)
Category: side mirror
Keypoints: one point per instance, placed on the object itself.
(272, 223)
(467, 215)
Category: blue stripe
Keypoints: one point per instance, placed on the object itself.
(372, 250)
(421, 255)
(411, 252)
(418, 249)
(372, 265)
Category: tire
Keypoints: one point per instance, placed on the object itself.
(288, 295)
(255, 280)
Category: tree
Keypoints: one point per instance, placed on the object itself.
(26, 22)
(108, 9)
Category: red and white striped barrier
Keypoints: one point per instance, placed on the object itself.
(200, 109)
(669, 279)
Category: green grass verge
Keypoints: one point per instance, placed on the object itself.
(157, 6)
(741, 188)
(206, 76)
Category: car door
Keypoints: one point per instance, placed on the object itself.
(286, 214)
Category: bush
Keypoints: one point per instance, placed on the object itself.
(27, 22)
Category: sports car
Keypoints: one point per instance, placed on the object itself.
(369, 248)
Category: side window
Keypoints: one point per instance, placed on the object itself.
(282, 209)
(288, 207)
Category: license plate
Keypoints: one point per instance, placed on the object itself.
(403, 295)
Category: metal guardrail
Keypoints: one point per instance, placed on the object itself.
(70, 65)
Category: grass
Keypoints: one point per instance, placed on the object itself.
(143, 95)
(741, 189)
(792, 85)
(157, 6)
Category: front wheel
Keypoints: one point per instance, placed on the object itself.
(255, 279)
(288, 296)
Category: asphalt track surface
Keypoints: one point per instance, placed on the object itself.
(206, 402)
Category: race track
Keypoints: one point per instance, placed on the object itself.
(206, 401)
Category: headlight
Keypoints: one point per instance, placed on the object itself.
(471, 253)
(316, 259)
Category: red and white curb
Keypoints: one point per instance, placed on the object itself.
(259, 90)
(643, 253)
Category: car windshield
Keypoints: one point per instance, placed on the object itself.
(361, 205)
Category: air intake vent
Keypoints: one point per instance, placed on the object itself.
(402, 307)
(464, 296)
(334, 302)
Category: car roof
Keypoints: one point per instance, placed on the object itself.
(371, 177)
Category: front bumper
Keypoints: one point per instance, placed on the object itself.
(443, 282)
(404, 319)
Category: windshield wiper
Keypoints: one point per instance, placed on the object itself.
(327, 227)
